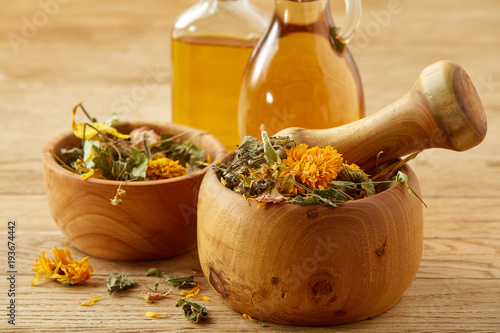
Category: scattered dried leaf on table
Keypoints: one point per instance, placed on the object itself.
(174, 280)
(118, 282)
(194, 312)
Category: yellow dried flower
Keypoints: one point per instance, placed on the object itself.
(149, 298)
(62, 268)
(194, 293)
(314, 167)
(164, 168)
(91, 301)
(248, 317)
(154, 315)
(81, 130)
(92, 173)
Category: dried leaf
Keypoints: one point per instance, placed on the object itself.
(194, 312)
(119, 168)
(271, 195)
(179, 281)
(403, 178)
(113, 120)
(140, 164)
(187, 153)
(89, 152)
(305, 201)
(176, 281)
(104, 161)
(269, 152)
(156, 271)
(118, 282)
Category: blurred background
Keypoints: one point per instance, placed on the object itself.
(115, 57)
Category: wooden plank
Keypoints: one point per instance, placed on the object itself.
(433, 301)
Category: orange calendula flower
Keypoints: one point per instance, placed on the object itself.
(355, 168)
(91, 301)
(62, 268)
(194, 293)
(164, 168)
(314, 167)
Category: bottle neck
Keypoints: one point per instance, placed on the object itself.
(302, 12)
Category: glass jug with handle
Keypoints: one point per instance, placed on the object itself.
(301, 74)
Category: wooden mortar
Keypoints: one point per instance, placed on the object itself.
(318, 265)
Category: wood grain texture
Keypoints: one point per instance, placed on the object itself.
(98, 51)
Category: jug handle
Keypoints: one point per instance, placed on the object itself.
(353, 16)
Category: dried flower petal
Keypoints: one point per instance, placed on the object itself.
(139, 134)
(248, 317)
(91, 301)
(149, 298)
(194, 293)
(154, 315)
(92, 173)
(80, 129)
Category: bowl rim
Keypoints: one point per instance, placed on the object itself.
(49, 160)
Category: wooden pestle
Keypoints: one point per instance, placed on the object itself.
(442, 110)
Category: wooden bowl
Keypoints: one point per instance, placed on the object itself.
(310, 265)
(157, 219)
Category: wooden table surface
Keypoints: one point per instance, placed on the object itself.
(54, 54)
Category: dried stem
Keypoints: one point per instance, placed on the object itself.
(92, 119)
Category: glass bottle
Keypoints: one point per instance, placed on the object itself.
(301, 73)
(211, 44)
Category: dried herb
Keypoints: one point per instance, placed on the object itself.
(151, 295)
(194, 312)
(176, 281)
(403, 178)
(277, 170)
(143, 154)
(118, 282)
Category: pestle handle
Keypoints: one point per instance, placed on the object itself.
(442, 110)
